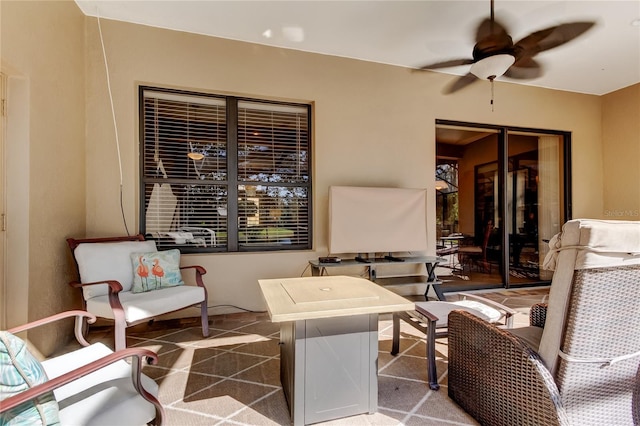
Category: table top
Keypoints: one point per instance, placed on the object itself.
(293, 299)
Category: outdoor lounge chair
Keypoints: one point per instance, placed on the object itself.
(578, 362)
(89, 386)
(113, 288)
(431, 318)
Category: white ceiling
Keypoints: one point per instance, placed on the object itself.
(411, 33)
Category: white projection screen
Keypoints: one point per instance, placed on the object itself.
(376, 220)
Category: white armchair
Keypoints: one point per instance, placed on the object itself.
(89, 386)
(106, 278)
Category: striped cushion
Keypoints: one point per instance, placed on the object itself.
(19, 371)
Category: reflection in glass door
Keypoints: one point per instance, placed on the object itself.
(534, 191)
(509, 198)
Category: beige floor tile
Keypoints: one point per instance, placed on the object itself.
(267, 373)
(265, 328)
(260, 345)
(271, 410)
(184, 336)
(405, 344)
(410, 367)
(228, 340)
(400, 394)
(383, 359)
(377, 419)
(225, 398)
(233, 376)
(439, 405)
(175, 356)
(226, 364)
(179, 385)
(177, 417)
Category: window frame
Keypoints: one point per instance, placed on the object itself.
(232, 181)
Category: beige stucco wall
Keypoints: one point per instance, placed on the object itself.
(621, 153)
(43, 55)
(373, 125)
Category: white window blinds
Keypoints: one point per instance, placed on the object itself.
(207, 187)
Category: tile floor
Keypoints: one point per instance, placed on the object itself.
(232, 377)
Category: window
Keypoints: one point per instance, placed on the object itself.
(446, 197)
(224, 174)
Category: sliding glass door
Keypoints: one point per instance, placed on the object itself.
(501, 194)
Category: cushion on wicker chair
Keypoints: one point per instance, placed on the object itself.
(582, 244)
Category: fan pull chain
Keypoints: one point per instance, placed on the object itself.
(491, 80)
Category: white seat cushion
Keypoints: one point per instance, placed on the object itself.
(91, 399)
(490, 314)
(140, 306)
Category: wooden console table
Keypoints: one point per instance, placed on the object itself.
(329, 343)
(430, 279)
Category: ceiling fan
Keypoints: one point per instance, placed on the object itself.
(495, 53)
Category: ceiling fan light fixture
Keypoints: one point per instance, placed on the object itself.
(492, 67)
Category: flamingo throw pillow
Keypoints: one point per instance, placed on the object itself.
(156, 270)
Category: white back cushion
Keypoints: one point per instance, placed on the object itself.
(108, 261)
(582, 244)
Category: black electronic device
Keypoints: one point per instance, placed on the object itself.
(329, 259)
(393, 258)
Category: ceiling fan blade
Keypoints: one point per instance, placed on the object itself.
(488, 28)
(524, 68)
(551, 37)
(447, 64)
(564, 33)
(460, 83)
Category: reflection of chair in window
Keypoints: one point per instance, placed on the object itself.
(470, 256)
(162, 220)
(202, 237)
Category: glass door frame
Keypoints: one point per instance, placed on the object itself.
(503, 175)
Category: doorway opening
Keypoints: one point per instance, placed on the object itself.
(501, 193)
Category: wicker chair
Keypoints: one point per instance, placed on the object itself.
(578, 362)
